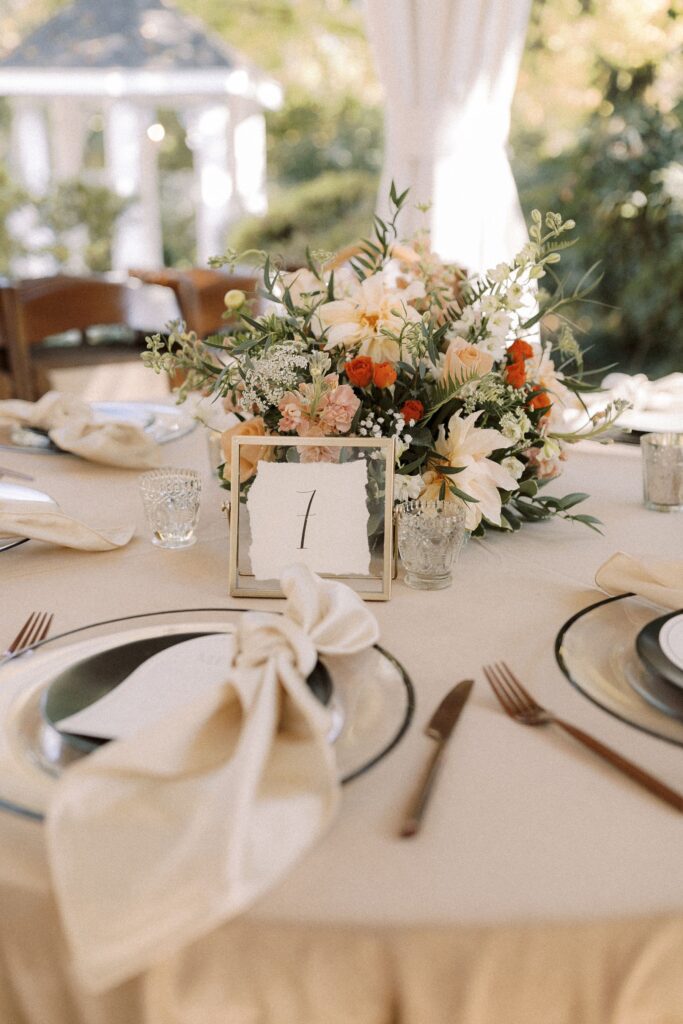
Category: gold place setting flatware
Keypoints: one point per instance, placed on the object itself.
(439, 728)
(518, 703)
(35, 628)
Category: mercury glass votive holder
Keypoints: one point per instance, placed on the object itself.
(430, 536)
(171, 501)
(662, 471)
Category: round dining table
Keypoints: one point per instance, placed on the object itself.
(544, 887)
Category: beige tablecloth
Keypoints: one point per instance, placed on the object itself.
(545, 888)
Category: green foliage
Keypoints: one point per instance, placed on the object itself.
(12, 198)
(72, 204)
(624, 179)
(311, 136)
(320, 214)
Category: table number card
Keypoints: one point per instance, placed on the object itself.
(334, 516)
(310, 512)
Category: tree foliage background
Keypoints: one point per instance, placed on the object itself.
(596, 133)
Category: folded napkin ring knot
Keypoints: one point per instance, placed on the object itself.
(261, 638)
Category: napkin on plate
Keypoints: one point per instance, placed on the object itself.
(40, 520)
(659, 582)
(70, 424)
(642, 393)
(156, 839)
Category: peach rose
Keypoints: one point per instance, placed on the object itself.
(250, 455)
(464, 361)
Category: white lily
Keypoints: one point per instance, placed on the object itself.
(468, 447)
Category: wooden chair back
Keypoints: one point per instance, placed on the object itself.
(200, 294)
(35, 309)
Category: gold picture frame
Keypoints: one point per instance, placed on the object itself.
(376, 586)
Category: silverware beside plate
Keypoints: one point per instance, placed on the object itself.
(439, 728)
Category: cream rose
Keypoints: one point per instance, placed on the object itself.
(463, 361)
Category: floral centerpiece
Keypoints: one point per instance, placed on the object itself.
(395, 342)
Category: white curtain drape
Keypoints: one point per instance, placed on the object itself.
(449, 69)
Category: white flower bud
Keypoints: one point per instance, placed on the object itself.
(234, 298)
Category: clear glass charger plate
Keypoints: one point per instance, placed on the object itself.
(596, 650)
(372, 697)
(162, 422)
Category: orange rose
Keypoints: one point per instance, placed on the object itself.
(412, 410)
(520, 350)
(540, 401)
(359, 371)
(383, 375)
(515, 374)
(250, 454)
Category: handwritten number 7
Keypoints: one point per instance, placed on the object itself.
(306, 515)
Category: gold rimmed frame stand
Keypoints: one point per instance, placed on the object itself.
(376, 586)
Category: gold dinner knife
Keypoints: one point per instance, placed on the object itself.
(439, 728)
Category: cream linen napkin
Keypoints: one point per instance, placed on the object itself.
(663, 394)
(70, 424)
(155, 840)
(38, 520)
(659, 582)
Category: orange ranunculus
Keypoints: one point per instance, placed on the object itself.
(520, 350)
(359, 371)
(515, 374)
(384, 375)
(542, 400)
(412, 410)
(250, 454)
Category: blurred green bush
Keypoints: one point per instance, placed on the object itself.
(324, 213)
(623, 183)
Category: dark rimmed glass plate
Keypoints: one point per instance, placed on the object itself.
(596, 650)
(649, 648)
(374, 693)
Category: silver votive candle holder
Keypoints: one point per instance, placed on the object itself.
(663, 471)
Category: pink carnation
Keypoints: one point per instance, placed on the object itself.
(291, 407)
(318, 453)
(339, 410)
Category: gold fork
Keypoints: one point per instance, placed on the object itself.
(35, 629)
(520, 705)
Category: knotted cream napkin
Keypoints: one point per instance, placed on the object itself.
(69, 423)
(156, 840)
(39, 520)
(659, 582)
(642, 393)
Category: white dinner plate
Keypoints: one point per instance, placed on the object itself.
(162, 422)
(652, 421)
(596, 650)
(373, 693)
(17, 492)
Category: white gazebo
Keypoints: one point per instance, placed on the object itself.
(125, 59)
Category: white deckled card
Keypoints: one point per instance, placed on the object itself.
(311, 513)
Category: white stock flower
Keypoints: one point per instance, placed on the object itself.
(499, 273)
(515, 467)
(468, 447)
(489, 304)
(407, 488)
(514, 426)
(499, 324)
(514, 296)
